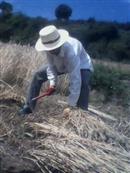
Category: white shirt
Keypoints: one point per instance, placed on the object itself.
(71, 59)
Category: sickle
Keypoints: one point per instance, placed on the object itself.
(38, 97)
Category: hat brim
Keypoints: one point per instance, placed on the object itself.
(47, 47)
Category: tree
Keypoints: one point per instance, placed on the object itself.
(63, 12)
(6, 8)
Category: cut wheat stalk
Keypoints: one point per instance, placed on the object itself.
(70, 153)
(94, 111)
(6, 84)
(85, 127)
(101, 114)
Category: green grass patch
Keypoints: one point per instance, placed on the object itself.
(111, 83)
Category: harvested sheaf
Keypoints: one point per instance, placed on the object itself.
(9, 97)
(85, 125)
(78, 142)
(80, 156)
(74, 141)
(68, 152)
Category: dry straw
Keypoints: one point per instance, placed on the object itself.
(69, 151)
(18, 63)
(80, 142)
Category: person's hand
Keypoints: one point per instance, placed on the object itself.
(68, 111)
(50, 90)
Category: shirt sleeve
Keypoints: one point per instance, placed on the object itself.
(74, 79)
(51, 72)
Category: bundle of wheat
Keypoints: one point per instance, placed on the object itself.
(85, 125)
(123, 126)
(68, 152)
(80, 142)
(9, 97)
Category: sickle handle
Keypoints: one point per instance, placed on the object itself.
(38, 97)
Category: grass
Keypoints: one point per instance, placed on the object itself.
(122, 68)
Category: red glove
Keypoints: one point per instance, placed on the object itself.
(50, 90)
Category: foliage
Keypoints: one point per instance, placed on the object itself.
(110, 82)
(6, 8)
(102, 31)
(63, 12)
(21, 29)
(124, 26)
(103, 40)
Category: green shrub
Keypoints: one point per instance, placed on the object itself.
(118, 51)
(108, 81)
(98, 50)
(101, 31)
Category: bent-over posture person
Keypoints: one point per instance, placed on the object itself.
(65, 54)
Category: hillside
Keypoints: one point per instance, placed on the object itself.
(103, 40)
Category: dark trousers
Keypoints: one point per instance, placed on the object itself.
(41, 76)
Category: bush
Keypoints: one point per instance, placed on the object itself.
(108, 81)
(6, 9)
(101, 31)
(25, 30)
(118, 51)
(98, 51)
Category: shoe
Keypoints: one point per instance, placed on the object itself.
(25, 110)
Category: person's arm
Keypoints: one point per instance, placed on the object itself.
(74, 79)
(51, 72)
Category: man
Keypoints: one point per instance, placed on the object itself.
(65, 54)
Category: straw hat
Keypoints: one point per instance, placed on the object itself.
(51, 38)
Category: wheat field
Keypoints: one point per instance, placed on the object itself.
(51, 140)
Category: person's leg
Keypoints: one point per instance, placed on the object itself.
(85, 87)
(39, 77)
